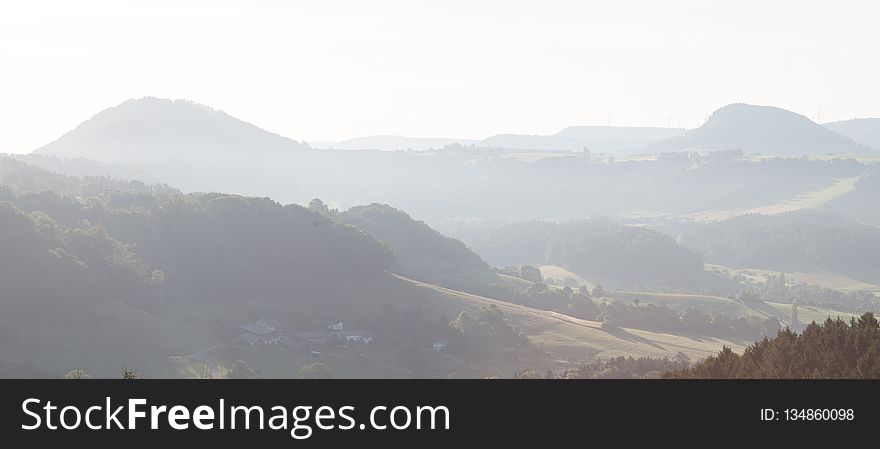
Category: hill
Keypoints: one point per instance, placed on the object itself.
(865, 131)
(178, 142)
(421, 252)
(599, 250)
(146, 129)
(852, 203)
(567, 337)
(799, 241)
(762, 129)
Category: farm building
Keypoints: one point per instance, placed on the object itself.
(261, 332)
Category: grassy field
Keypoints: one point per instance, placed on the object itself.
(562, 275)
(865, 159)
(731, 307)
(570, 341)
(821, 278)
(808, 200)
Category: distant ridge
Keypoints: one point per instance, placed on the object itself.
(597, 139)
(865, 131)
(392, 143)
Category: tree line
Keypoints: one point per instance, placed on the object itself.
(834, 349)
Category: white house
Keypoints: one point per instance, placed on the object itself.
(439, 345)
(336, 327)
(357, 336)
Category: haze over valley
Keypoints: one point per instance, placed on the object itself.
(563, 190)
(170, 225)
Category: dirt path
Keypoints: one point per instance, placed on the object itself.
(503, 304)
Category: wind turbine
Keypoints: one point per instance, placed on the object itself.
(608, 120)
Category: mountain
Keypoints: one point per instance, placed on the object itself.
(149, 128)
(181, 143)
(865, 131)
(597, 139)
(391, 143)
(763, 129)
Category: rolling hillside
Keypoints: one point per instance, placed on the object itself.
(565, 337)
(801, 241)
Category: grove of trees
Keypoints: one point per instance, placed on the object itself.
(834, 349)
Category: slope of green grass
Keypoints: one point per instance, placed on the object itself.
(818, 277)
(569, 340)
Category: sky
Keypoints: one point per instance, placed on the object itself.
(331, 70)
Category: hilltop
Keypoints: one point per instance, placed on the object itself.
(149, 128)
(762, 129)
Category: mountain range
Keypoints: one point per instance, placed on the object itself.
(140, 132)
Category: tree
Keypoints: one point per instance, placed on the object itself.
(129, 373)
(316, 205)
(833, 350)
(598, 291)
(609, 323)
(531, 273)
(314, 371)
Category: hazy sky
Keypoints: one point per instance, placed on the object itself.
(330, 70)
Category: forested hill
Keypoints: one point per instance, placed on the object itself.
(224, 247)
(600, 249)
(421, 252)
(833, 350)
(204, 245)
(795, 241)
